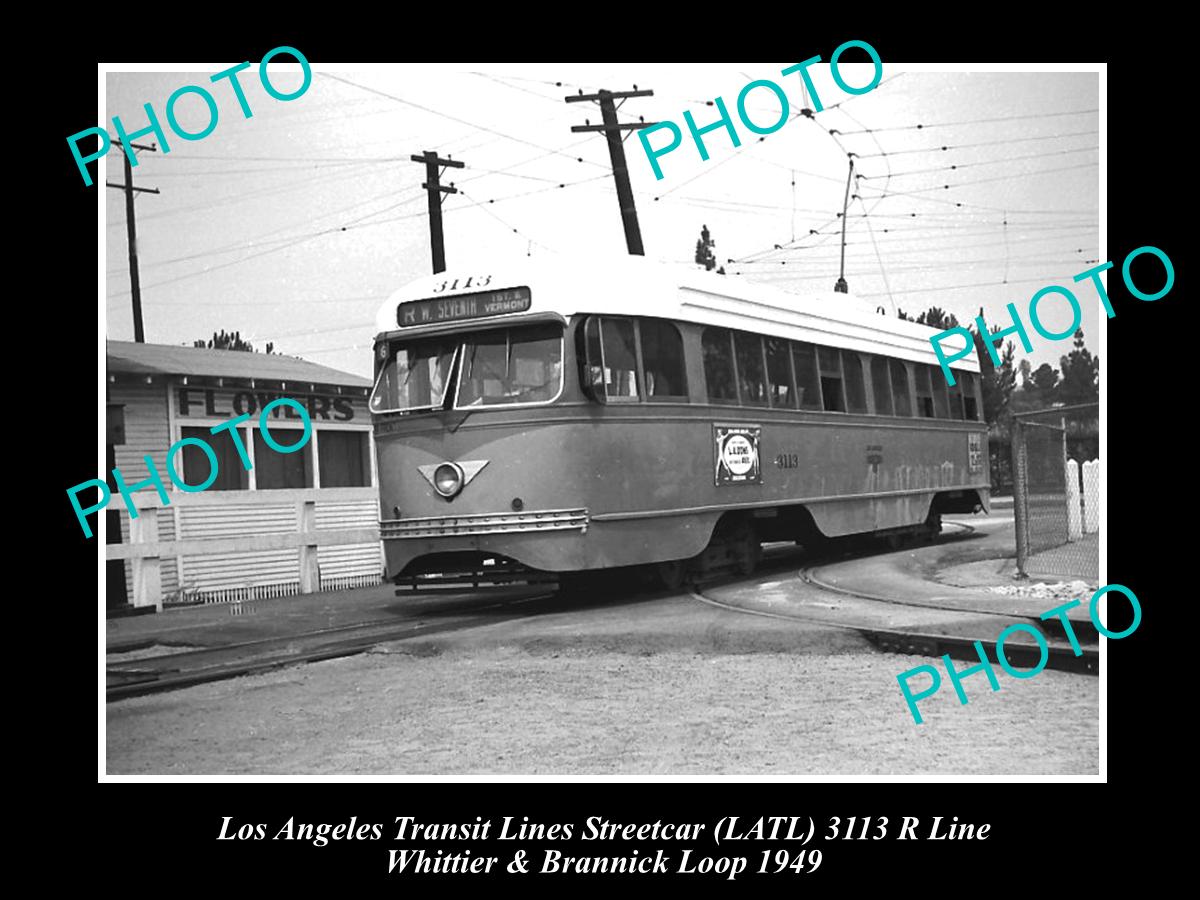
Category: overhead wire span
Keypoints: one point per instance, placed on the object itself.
(443, 115)
(923, 125)
(948, 147)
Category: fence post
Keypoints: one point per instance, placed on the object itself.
(310, 572)
(1020, 500)
(147, 576)
(1091, 496)
(1074, 516)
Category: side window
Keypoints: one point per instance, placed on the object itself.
(831, 379)
(956, 396)
(924, 391)
(900, 387)
(779, 372)
(856, 391)
(881, 384)
(662, 359)
(808, 379)
(612, 357)
(751, 379)
(941, 403)
(717, 348)
(970, 405)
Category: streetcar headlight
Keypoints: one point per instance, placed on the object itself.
(447, 479)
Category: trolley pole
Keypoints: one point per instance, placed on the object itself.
(135, 286)
(616, 151)
(435, 188)
(840, 286)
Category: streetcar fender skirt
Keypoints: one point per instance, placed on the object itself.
(604, 544)
(855, 515)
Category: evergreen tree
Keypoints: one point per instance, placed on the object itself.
(704, 251)
(230, 341)
(1080, 374)
(1044, 382)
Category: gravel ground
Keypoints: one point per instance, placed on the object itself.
(624, 704)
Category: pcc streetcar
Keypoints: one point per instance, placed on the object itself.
(550, 418)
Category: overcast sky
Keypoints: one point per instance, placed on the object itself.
(295, 225)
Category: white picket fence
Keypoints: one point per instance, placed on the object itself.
(1083, 499)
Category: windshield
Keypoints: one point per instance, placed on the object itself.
(515, 365)
(415, 376)
(500, 367)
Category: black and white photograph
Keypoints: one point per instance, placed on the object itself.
(604, 419)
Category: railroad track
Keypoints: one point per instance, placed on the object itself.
(1061, 655)
(172, 671)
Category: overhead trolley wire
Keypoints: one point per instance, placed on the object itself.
(924, 125)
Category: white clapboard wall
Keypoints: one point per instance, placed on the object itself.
(224, 577)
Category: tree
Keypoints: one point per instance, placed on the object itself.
(1044, 381)
(1026, 370)
(704, 251)
(936, 317)
(998, 381)
(230, 341)
(1080, 374)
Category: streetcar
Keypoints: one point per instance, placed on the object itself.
(557, 418)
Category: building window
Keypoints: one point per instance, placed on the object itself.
(900, 387)
(856, 391)
(274, 470)
(231, 472)
(751, 380)
(881, 384)
(717, 348)
(344, 458)
(779, 372)
(808, 380)
(662, 360)
(924, 391)
(831, 379)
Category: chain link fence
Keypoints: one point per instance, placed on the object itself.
(1056, 491)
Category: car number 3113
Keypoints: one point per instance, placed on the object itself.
(787, 460)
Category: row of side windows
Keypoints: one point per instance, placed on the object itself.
(628, 359)
(751, 370)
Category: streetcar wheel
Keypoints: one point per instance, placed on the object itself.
(672, 574)
(747, 552)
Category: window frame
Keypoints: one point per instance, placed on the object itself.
(737, 372)
(309, 457)
(366, 457)
(460, 354)
(791, 367)
(685, 397)
(880, 359)
(736, 400)
(841, 380)
(856, 360)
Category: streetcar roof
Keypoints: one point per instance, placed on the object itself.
(635, 286)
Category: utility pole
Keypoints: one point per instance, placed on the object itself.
(436, 189)
(841, 287)
(616, 150)
(139, 334)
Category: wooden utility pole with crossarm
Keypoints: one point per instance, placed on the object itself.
(435, 188)
(616, 150)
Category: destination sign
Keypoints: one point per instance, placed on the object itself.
(462, 306)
